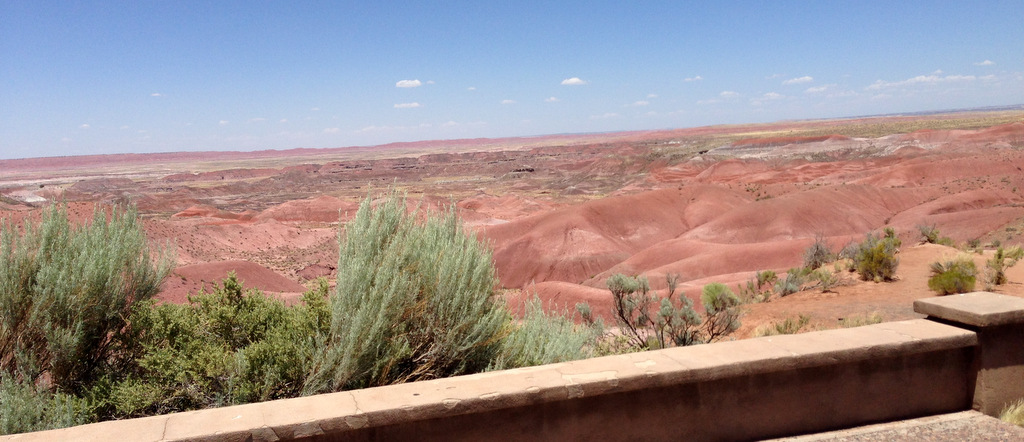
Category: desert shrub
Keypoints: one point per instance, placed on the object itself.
(760, 287)
(414, 300)
(788, 326)
(721, 311)
(1000, 261)
(931, 235)
(792, 283)
(1013, 413)
(954, 276)
(228, 346)
(545, 338)
(974, 244)
(675, 322)
(818, 254)
(876, 259)
(25, 407)
(66, 292)
(827, 280)
(858, 321)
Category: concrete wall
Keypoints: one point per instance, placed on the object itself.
(750, 389)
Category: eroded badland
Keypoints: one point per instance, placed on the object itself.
(563, 213)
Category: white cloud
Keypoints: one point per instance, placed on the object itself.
(691, 79)
(508, 101)
(332, 130)
(407, 105)
(551, 100)
(408, 83)
(430, 81)
(729, 94)
(652, 95)
(937, 72)
(315, 109)
(84, 126)
(918, 80)
(471, 88)
(640, 103)
(819, 89)
(450, 123)
(799, 80)
(156, 94)
(772, 96)
(604, 116)
(985, 63)
(223, 122)
(283, 120)
(574, 81)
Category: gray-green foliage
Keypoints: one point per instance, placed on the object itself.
(1000, 261)
(721, 307)
(229, 346)
(66, 292)
(875, 258)
(545, 338)
(415, 300)
(25, 407)
(957, 275)
(673, 322)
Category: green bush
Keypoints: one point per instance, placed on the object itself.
(673, 322)
(954, 276)
(544, 338)
(875, 258)
(415, 300)
(793, 282)
(65, 295)
(931, 235)
(25, 407)
(229, 346)
(721, 309)
(1000, 261)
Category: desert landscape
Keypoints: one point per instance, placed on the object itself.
(563, 213)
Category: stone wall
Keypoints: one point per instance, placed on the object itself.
(775, 386)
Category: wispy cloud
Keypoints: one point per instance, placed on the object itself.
(551, 100)
(729, 94)
(985, 63)
(640, 103)
(604, 116)
(819, 89)
(223, 122)
(84, 126)
(799, 80)
(692, 79)
(574, 81)
(772, 96)
(257, 120)
(283, 120)
(314, 109)
(508, 101)
(652, 95)
(407, 105)
(332, 130)
(919, 80)
(471, 88)
(408, 83)
(156, 94)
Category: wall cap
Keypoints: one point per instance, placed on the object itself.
(978, 309)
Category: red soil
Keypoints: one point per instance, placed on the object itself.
(193, 278)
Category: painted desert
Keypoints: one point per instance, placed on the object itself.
(563, 213)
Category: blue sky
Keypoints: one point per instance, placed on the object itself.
(146, 76)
